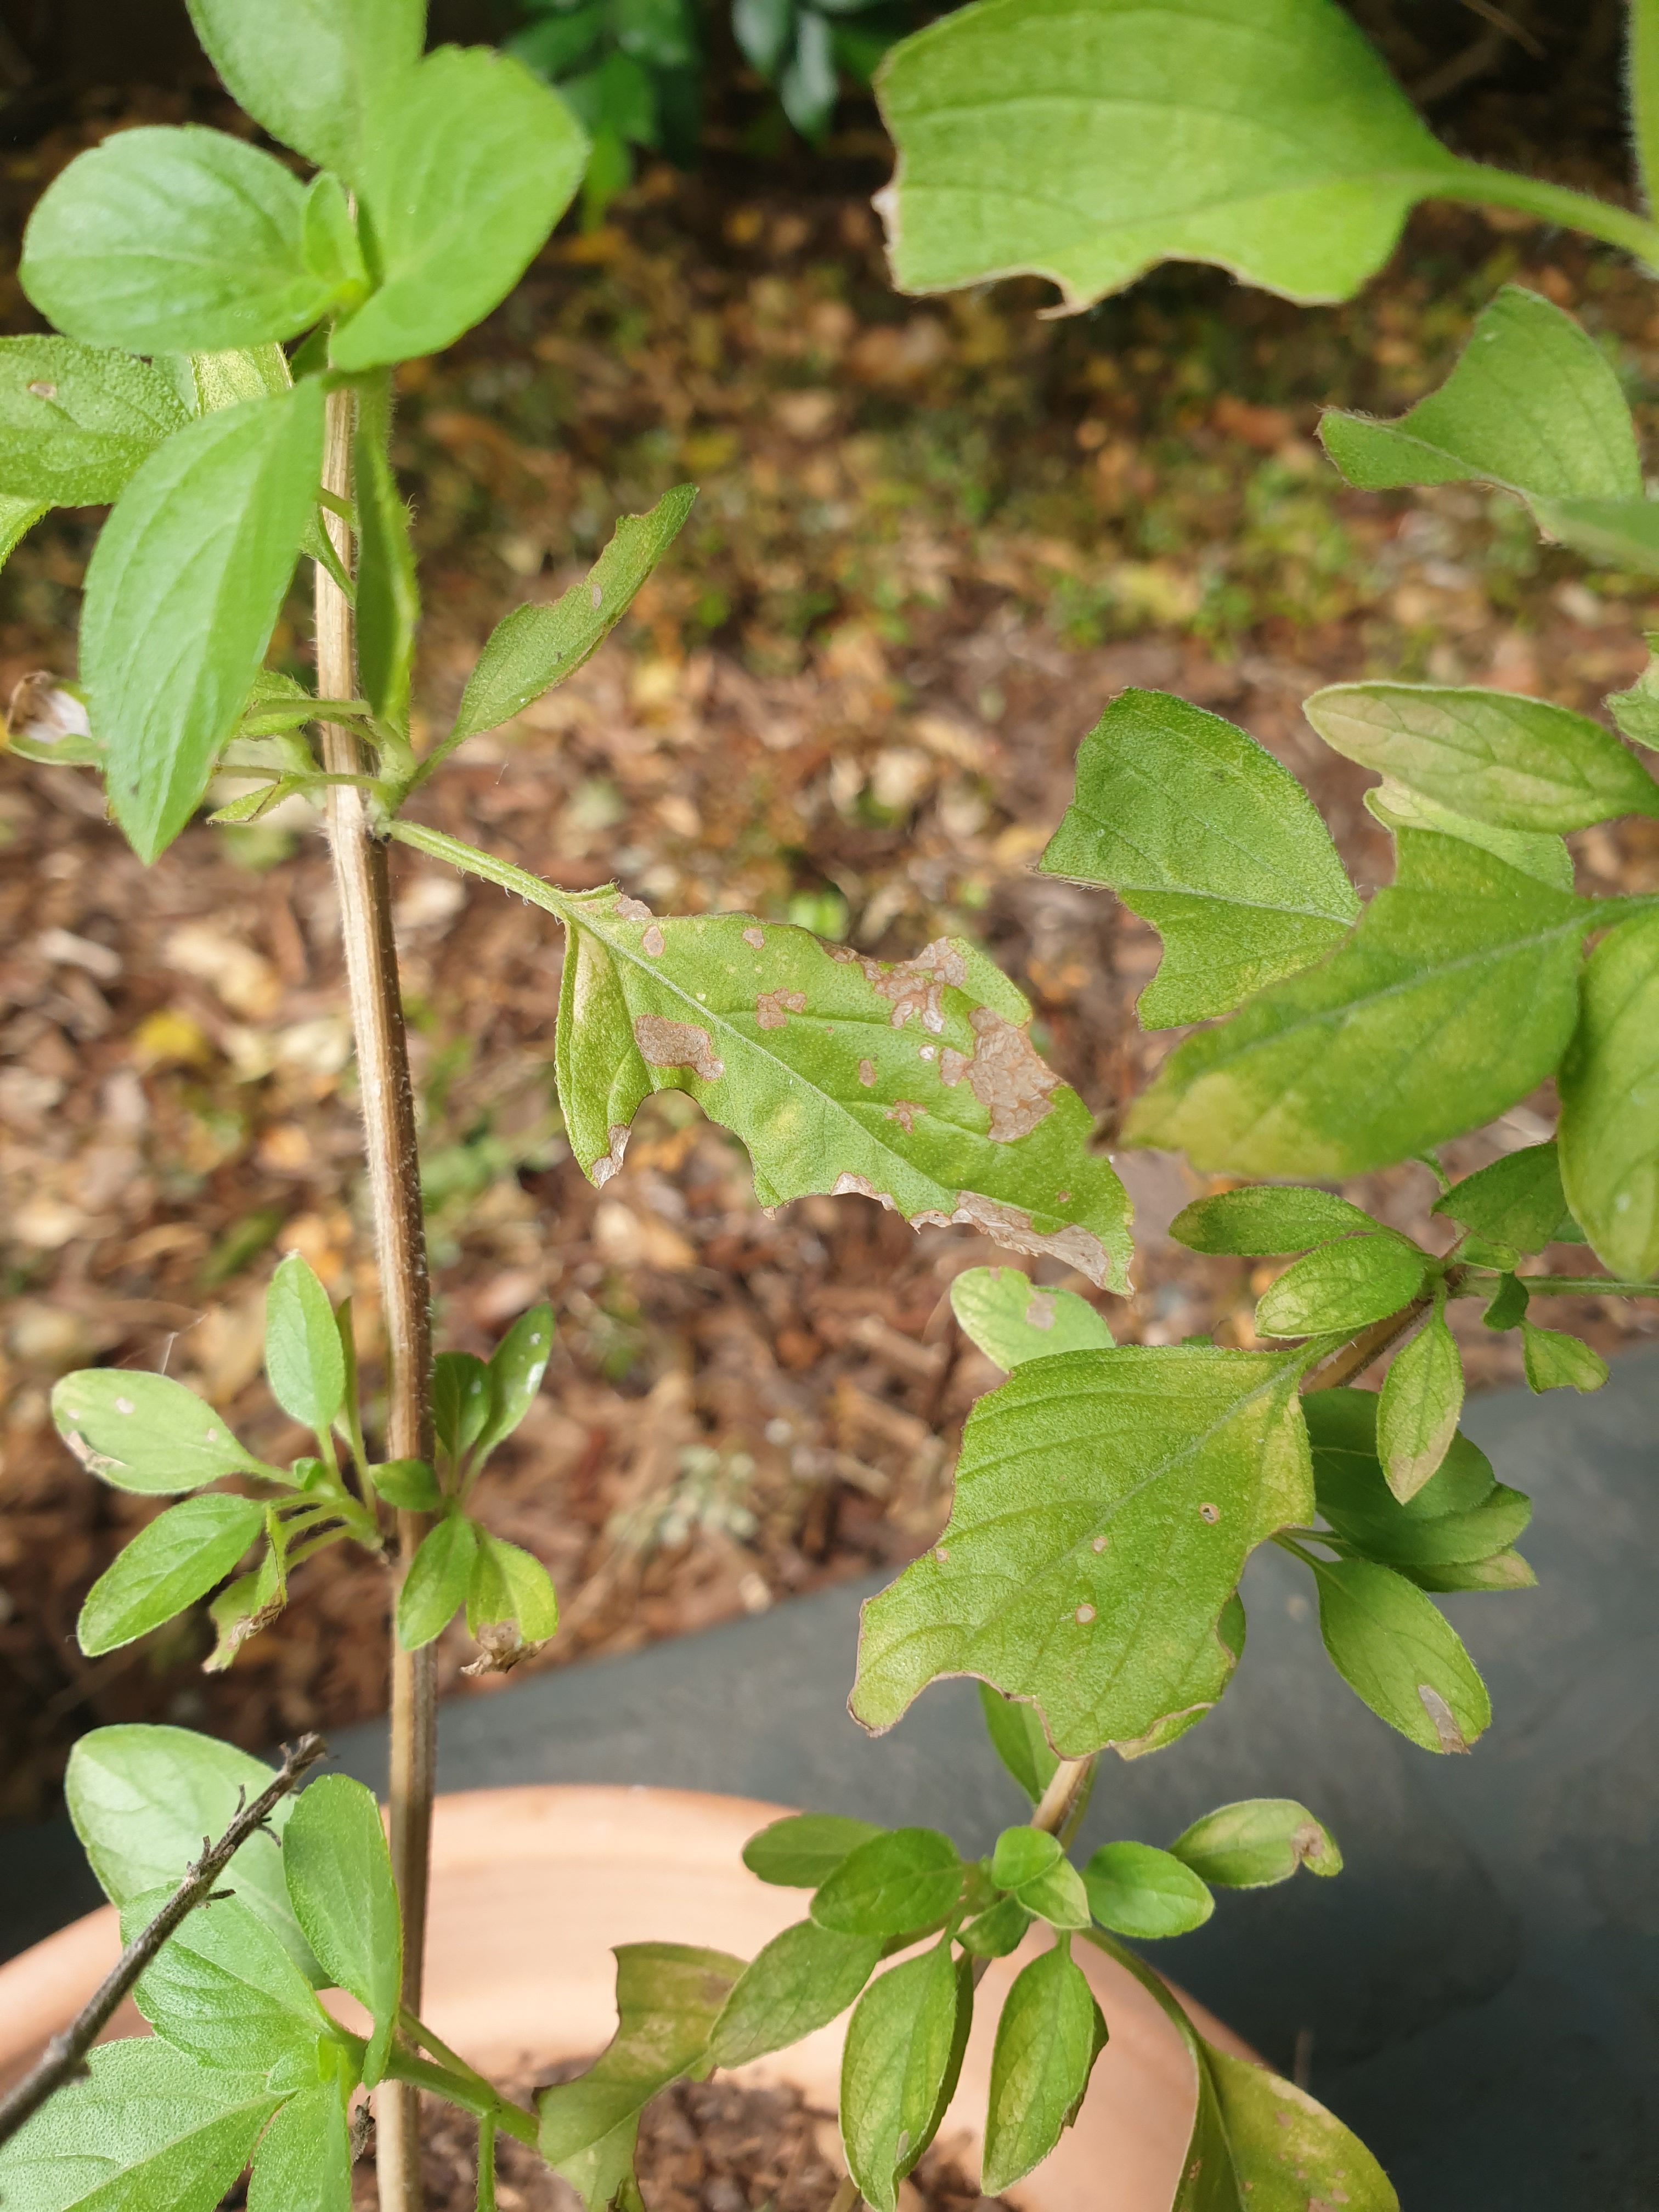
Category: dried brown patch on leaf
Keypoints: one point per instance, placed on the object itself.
(1443, 1718)
(755, 937)
(904, 1112)
(1005, 1074)
(1040, 1311)
(868, 1073)
(665, 1043)
(500, 1649)
(1010, 1226)
(602, 1169)
(653, 942)
(918, 985)
(773, 1008)
(632, 909)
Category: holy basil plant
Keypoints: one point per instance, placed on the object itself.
(227, 320)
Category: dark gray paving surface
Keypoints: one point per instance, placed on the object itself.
(1481, 1984)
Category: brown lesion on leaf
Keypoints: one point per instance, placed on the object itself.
(754, 937)
(500, 1649)
(1010, 1226)
(1040, 1311)
(665, 1043)
(918, 985)
(773, 1008)
(1005, 1074)
(868, 1073)
(904, 1112)
(631, 909)
(1442, 1717)
(653, 941)
(610, 1164)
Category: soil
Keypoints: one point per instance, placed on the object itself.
(710, 2146)
(933, 539)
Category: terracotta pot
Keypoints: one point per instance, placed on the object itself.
(533, 1887)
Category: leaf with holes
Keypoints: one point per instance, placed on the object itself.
(1105, 1505)
(1455, 995)
(1201, 832)
(1013, 1320)
(1609, 1083)
(910, 1081)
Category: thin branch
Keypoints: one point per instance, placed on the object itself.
(1585, 1286)
(65, 2056)
(1061, 1805)
(1371, 1344)
(847, 2197)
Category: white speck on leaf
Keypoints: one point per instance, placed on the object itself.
(1099, 1544)
(1084, 1615)
(1040, 1311)
(123, 1405)
(44, 390)
(597, 596)
(926, 1052)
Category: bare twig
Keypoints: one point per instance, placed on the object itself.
(65, 2056)
(1371, 1344)
(847, 2197)
(1061, 1805)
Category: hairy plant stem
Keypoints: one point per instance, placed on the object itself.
(388, 1110)
(1371, 1344)
(1066, 1800)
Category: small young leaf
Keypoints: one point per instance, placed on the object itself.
(1509, 1306)
(1022, 1855)
(1270, 2128)
(1256, 1842)
(802, 1980)
(434, 1587)
(464, 173)
(1056, 1895)
(338, 1873)
(1267, 135)
(1499, 1570)
(1422, 1397)
(1267, 1218)
(18, 516)
(895, 2068)
(893, 1885)
(388, 597)
(1202, 832)
(535, 648)
(224, 1989)
(510, 1604)
(1609, 1084)
(1637, 711)
(1011, 1319)
(802, 1850)
(318, 78)
(1461, 1514)
(1522, 763)
(145, 1432)
(177, 617)
(1137, 1890)
(1461, 980)
(516, 1368)
(995, 1932)
(408, 1484)
(1049, 2035)
(1534, 853)
(1130, 1486)
(1556, 1361)
(168, 1565)
(163, 240)
(1342, 1286)
(461, 1401)
(1017, 1737)
(304, 1363)
(143, 2128)
(1518, 1200)
(76, 420)
(303, 2161)
(1399, 1654)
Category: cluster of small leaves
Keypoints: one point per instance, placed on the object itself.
(906, 1895)
(245, 2064)
(629, 70)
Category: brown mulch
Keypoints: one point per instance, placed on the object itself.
(933, 539)
(704, 2147)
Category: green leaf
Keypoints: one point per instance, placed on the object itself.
(1013, 1320)
(1522, 763)
(1283, 2147)
(388, 597)
(896, 2066)
(1263, 135)
(245, 1605)
(1267, 1218)
(1022, 1855)
(168, 1564)
(1256, 1842)
(912, 1081)
(1049, 2035)
(144, 2128)
(809, 83)
(339, 1883)
(898, 1881)
(1610, 1085)
(1399, 1655)
(1017, 1737)
(1461, 1514)
(205, 382)
(1139, 1891)
(802, 1980)
(1105, 1505)
(1455, 996)
(1421, 1399)
(434, 1587)
(516, 1368)
(1202, 832)
(802, 1850)
(303, 2162)
(1533, 853)
(1556, 1361)
(408, 1484)
(223, 1988)
(464, 175)
(1044, 1883)
(763, 30)
(1502, 1570)
(511, 1607)
(142, 1799)
(1637, 711)
(669, 1997)
(17, 518)
(145, 1432)
(183, 591)
(1342, 1286)
(995, 1932)
(319, 75)
(1517, 1200)
(304, 1366)
(461, 1401)
(535, 648)
(1533, 404)
(75, 422)
(162, 241)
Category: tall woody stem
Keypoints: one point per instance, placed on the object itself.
(388, 1110)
